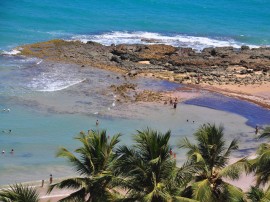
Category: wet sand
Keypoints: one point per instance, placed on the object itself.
(258, 94)
(254, 93)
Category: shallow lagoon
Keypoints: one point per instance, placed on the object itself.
(51, 103)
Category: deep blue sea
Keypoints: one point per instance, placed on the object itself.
(45, 104)
(179, 22)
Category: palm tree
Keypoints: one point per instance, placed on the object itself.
(19, 193)
(265, 132)
(211, 157)
(261, 164)
(256, 194)
(92, 162)
(148, 170)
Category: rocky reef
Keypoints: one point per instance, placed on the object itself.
(224, 65)
(128, 92)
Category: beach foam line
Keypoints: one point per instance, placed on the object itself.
(39, 62)
(178, 40)
(59, 85)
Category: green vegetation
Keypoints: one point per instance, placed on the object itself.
(257, 194)
(211, 157)
(260, 165)
(19, 193)
(92, 163)
(147, 171)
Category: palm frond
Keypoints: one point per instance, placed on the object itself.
(233, 193)
(93, 161)
(202, 191)
(261, 164)
(80, 167)
(265, 133)
(232, 147)
(77, 196)
(186, 172)
(19, 192)
(233, 171)
(255, 194)
(183, 199)
(71, 183)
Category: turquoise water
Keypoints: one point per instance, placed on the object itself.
(229, 22)
(50, 103)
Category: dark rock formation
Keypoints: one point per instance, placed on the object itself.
(222, 65)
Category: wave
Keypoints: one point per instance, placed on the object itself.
(39, 62)
(49, 78)
(47, 86)
(195, 42)
(11, 52)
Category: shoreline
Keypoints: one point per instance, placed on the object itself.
(247, 93)
(240, 73)
(258, 94)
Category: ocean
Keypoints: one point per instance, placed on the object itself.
(45, 104)
(185, 22)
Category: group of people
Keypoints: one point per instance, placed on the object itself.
(11, 152)
(7, 131)
(50, 180)
(6, 110)
(173, 102)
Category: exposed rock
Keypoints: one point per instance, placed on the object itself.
(220, 64)
(127, 92)
(132, 73)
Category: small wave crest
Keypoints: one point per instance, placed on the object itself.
(12, 52)
(47, 86)
(195, 42)
(54, 78)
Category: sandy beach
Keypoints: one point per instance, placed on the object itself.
(165, 65)
(258, 94)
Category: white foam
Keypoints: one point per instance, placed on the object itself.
(195, 42)
(55, 78)
(12, 52)
(58, 85)
(39, 62)
(58, 33)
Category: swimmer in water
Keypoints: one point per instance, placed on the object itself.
(97, 123)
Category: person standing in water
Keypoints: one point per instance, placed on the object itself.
(174, 104)
(51, 179)
(256, 130)
(97, 123)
